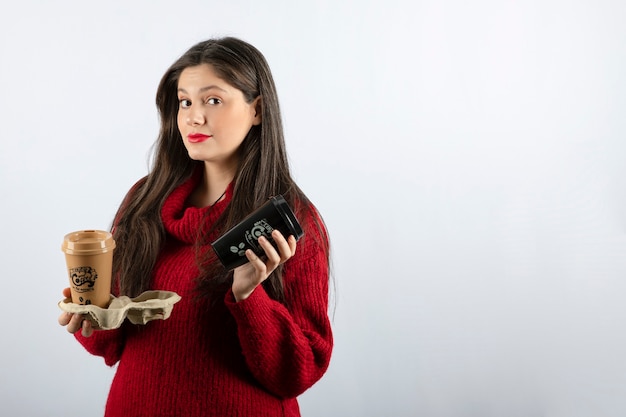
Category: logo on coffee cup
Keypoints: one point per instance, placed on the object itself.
(239, 249)
(83, 278)
(260, 228)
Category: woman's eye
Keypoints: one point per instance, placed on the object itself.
(184, 103)
(214, 100)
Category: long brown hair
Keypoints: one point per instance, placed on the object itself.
(263, 172)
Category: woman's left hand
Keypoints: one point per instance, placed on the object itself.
(248, 276)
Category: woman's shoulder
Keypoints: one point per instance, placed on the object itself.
(128, 198)
(315, 238)
(136, 186)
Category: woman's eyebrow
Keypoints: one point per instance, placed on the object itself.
(204, 89)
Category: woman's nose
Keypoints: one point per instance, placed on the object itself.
(195, 118)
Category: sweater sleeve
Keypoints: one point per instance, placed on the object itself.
(106, 343)
(288, 349)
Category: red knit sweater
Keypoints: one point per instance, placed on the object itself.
(250, 358)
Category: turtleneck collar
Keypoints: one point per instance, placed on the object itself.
(183, 221)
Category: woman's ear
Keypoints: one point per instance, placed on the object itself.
(258, 110)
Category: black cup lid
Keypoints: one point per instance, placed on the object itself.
(290, 218)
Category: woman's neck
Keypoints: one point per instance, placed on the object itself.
(212, 186)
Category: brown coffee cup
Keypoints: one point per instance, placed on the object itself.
(89, 259)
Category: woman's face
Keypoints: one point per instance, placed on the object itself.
(213, 116)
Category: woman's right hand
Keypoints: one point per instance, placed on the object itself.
(75, 322)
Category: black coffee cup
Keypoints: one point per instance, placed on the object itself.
(274, 215)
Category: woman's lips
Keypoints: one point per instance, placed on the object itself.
(197, 137)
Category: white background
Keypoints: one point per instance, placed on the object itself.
(468, 158)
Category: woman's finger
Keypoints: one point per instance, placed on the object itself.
(75, 323)
(65, 318)
(256, 262)
(87, 329)
(286, 247)
(293, 244)
(273, 258)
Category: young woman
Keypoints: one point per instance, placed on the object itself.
(239, 343)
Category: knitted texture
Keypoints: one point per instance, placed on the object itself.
(247, 358)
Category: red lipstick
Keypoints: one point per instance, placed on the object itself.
(197, 137)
